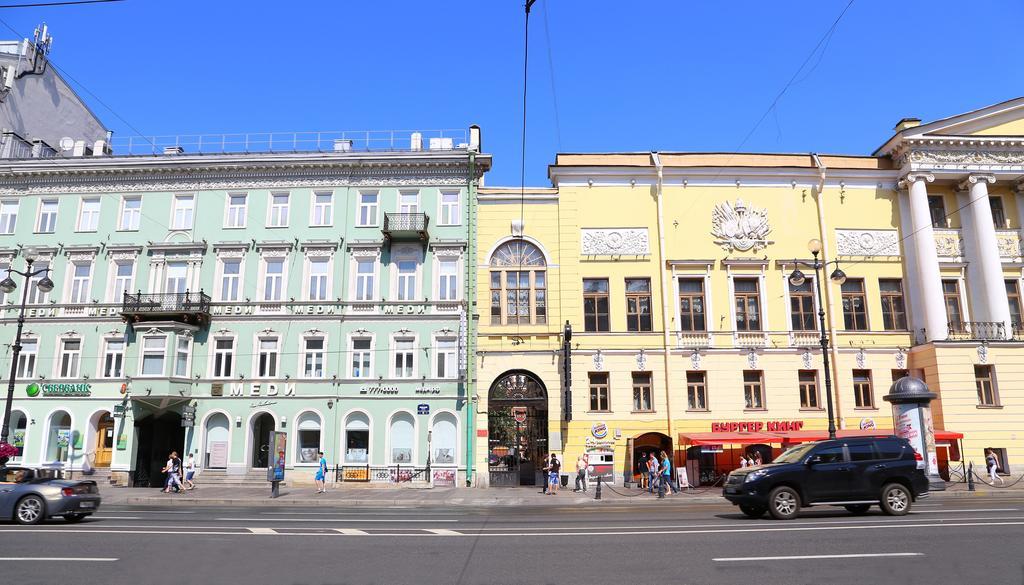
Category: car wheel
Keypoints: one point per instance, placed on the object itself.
(858, 509)
(73, 518)
(783, 503)
(895, 500)
(753, 511)
(29, 510)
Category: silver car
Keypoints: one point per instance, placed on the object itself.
(29, 496)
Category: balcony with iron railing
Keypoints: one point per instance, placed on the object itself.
(187, 307)
(977, 331)
(406, 226)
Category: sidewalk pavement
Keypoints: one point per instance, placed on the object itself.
(347, 496)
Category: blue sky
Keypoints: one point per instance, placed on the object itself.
(628, 75)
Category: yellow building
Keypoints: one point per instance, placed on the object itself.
(673, 272)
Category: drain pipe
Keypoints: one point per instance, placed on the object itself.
(825, 255)
(666, 344)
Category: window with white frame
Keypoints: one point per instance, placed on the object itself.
(323, 209)
(408, 202)
(154, 353)
(402, 436)
(70, 358)
(365, 271)
(183, 214)
(230, 279)
(223, 357)
(406, 282)
(81, 280)
(113, 358)
(237, 210)
(307, 440)
(368, 204)
(131, 213)
(319, 268)
(405, 357)
(47, 223)
(27, 358)
(278, 213)
(8, 216)
(362, 357)
(450, 208)
(447, 279)
(268, 356)
(445, 360)
(123, 273)
(313, 357)
(36, 296)
(445, 439)
(273, 279)
(89, 214)
(182, 350)
(176, 280)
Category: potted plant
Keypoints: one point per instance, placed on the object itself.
(6, 452)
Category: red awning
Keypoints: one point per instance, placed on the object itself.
(807, 436)
(727, 438)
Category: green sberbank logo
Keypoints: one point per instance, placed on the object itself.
(32, 390)
(57, 389)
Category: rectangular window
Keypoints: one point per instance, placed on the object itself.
(131, 214)
(184, 212)
(863, 396)
(894, 313)
(323, 209)
(638, 304)
(267, 359)
(855, 305)
(691, 304)
(27, 358)
(368, 203)
(362, 356)
(595, 304)
(237, 212)
(406, 280)
(278, 216)
(405, 353)
(223, 358)
(81, 277)
(995, 202)
(177, 277)
(1016, 311)
(313, 358)
(364, 279)
(599, 392)
(409, 202)
(230, 279)
(809, 389)
(8, 216)
(70, 357)
(113, 359)
(154, 350)
(753, 389)
(985, 380)
(642, 392)
(540, 297)
(951, 298)
(448, 280)
(444, 354)
(801, 306)
(450, 208)
(898, 373)
(748, 304)
(89, 215)
(36, 296)
(273, 280)
(318, 269)
(47, 216)
(495, 298)
(181, 354)
(937, 210)
(696, 391)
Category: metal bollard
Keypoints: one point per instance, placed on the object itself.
(597, 492)
(970, 476)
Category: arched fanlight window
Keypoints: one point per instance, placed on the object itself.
(518, 284)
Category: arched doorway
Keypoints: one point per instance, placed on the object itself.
(644, 445)
(158, 435)
(517, 429)
(103, 439)
(218, 430)
(262, 426)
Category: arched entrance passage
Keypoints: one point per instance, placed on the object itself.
(262, 426)
(517, 428)
(644, 445)
(158, 435)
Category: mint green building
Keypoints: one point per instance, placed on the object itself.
(318, 287)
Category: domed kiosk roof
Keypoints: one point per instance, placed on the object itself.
(908, 389)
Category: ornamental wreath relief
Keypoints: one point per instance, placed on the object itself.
(740, 227)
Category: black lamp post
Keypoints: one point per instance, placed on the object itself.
(8, 286)
(797, 278)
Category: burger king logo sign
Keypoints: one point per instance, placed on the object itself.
(599, 430)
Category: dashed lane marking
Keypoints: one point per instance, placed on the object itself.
(443, 532)
(817, 557)
(262, 530)
(61, 559)
(351, 532)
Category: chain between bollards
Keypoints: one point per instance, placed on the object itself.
(970, 476)
(597, 492)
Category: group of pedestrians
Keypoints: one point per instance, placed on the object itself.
(659, 473)
(748, 460)
(173, 469)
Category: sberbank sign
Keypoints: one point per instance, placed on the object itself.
(36, 389)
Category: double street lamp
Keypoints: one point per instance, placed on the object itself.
(797, 278)
(8, 286)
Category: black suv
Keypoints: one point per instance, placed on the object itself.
(853, 473)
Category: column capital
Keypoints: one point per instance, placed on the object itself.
(974, 179)
(1019, 187)
(909, 178)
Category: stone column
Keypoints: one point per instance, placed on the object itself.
(989, 291)
(929, 277)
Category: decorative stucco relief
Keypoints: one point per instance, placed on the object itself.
(740, 226)
(867, 242)
(614, 242)
(948, 243)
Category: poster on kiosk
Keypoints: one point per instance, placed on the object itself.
(278, 448)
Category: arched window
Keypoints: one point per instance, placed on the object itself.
(401, 435)
(58, 442)
(307, 442)
(518, 284)
(18, 426)
(443, 439)
(357, 438)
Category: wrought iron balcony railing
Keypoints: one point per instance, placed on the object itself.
(406, 225)
(188, 306)
(977, 331)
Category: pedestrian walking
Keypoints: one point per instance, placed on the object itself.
(652, 472)
(553, 471)
(321, 474)
(546, 462)
(190, 472)
(582, 462)
(665, 476)
(992, 464)
(743, 460)
(641, 469)
(172, 469)
(757, 458)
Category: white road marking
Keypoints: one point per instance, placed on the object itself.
(351, 532)
(325, 513)
(443, 532)
(334, 520)
(115, 517)
(967, 510)
(812, 557)
(262, 530)
(61, 559)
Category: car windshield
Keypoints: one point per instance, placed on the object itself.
(795, 454)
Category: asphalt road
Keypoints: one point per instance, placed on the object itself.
(950, 540)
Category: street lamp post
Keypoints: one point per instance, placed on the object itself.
(797, 278)
(8, 286)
